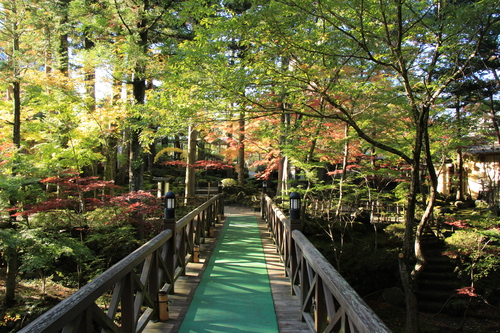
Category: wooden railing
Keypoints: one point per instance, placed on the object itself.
(125, 297)
(327, 301)
(376, 212)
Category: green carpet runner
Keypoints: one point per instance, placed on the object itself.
(234, 294)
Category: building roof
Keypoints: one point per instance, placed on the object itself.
(487, 149)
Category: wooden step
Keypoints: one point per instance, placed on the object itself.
(448, 282)
(438, 282)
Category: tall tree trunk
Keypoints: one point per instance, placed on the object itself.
(280, 164)
(64, 38)
(63, 54)
(338, 211)
(343, 176)
(136, 163)
(150, 157)
(10, 282)
(202, 154)
(460, 175)
(407, 257)
(283, 166)
(459, 170)
(427, 216)
(110, 153)
(282, 188)
(191, 159)
(16, 95)
(492, 105)
(89, 77)
(177, 145)
(12, 266)
(136, 166)
(123, 154)
(309, 159)
(16, 86)
(241, 149)
(285, 177)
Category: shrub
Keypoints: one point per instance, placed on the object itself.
(43, 249)
(476, 250)
(396, 231)
(229, 182)
(111, 244)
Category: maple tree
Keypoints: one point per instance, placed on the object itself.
(366, 64)
(77, 201)
(78, 207)
(310, 94)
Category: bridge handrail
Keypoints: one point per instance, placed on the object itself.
(327, 301)
(378, 212)
(135, 281)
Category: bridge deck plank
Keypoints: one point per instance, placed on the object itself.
(286, 305)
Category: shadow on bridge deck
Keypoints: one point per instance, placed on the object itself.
(286, 306)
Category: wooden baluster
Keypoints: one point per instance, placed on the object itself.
(153, 279)
(305, 285)
(127, 304)
(320, 311)
(182, 250)
(295, 224)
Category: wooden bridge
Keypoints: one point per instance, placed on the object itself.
(308, 295)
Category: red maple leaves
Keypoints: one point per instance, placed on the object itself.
(81, 194)
(202, 165)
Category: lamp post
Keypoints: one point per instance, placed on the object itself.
(169, 223)
(263, 205)
(169, 206)
(294, 206)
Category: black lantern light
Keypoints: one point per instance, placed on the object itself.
(169, 205)
(264, 186)
(220, 187)
(294, 206)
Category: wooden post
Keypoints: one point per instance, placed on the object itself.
(221, 205)
(196, 253)
(210, 216)
(171, 251)
(163, 314)
(182, 250)
(295, 224)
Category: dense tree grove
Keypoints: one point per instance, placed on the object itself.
(99, 97)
